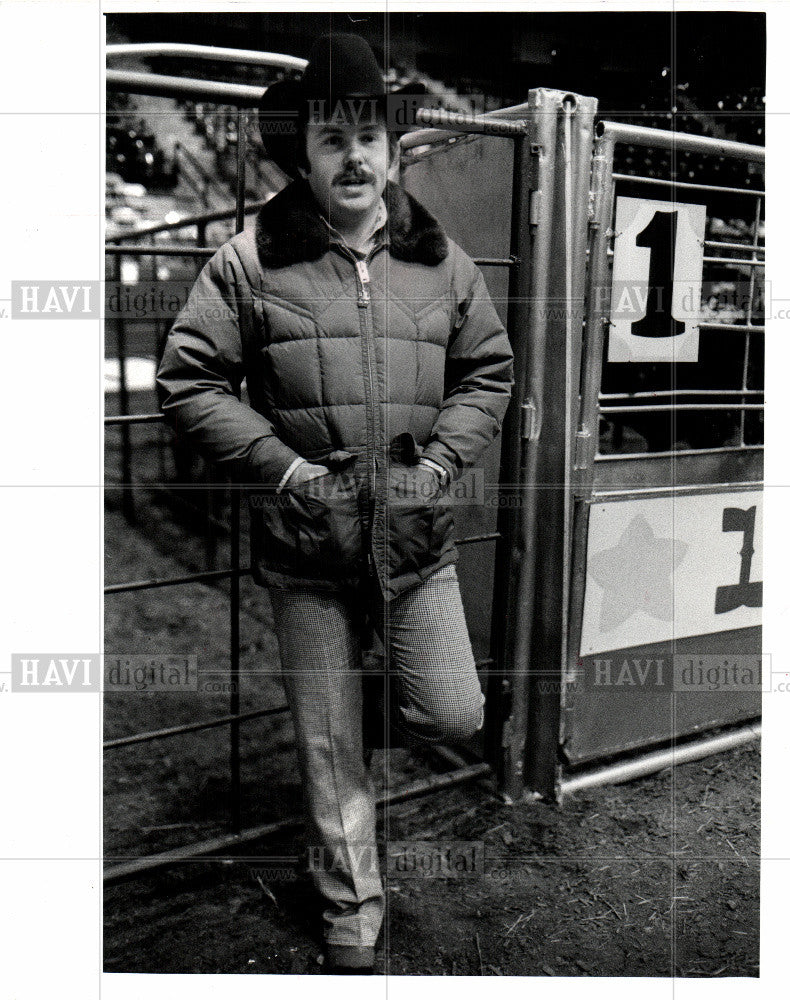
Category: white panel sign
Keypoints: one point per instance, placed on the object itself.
(656, 281)
(669, 567)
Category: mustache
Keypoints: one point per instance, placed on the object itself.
(354, 175)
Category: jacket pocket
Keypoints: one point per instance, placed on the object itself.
(314, 529)
(412, 492)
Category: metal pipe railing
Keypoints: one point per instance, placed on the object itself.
(719, 245)
(733, 260)
(454, 122)
(207, 576)
(677, 407)
(209, 53)
(220, 215)
(657, 760)
(164, 250)
(231, 842)
(733, 449)
(119, 419)
(687, 185)
(190, 727)
(732, 327)
(155, 85)
(663, 393)
(682, 142)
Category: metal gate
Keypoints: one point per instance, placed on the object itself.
(663, 608)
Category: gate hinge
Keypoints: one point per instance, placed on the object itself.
(599, 166)
(535, 200)
(529, 421)
(592, 208)
(537, 150)
(582, 442)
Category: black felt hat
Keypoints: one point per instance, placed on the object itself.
(341, 77)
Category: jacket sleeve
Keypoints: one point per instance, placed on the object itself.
(200, 375)
(478, 376)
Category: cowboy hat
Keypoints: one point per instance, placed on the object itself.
(341, 70)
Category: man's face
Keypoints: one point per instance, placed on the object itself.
(348, 167)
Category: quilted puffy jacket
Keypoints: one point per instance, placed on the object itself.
(362, 365)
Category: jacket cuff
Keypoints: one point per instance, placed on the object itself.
(289, 472)
(269, 461)
(441, 455)
(438, 469)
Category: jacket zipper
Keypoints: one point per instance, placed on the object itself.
(363, 302)
(363, 277)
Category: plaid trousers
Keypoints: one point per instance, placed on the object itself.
(438, 700)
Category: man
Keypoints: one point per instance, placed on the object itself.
(377, 371)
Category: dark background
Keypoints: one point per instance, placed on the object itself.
(632, 62)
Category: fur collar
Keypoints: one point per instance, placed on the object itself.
(289, 229)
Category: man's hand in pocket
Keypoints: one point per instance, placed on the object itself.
(414, 485)
(304, 472)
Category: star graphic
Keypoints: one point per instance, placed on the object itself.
(636, 575)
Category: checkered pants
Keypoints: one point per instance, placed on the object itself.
(438, 700)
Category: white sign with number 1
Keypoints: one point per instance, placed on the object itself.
(656, 281)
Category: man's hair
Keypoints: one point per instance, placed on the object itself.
(301, 134)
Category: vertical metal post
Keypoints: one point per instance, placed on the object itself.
(499, 737)
(598, 294)
(212, 490)
(235, 531)
(540, 498)
(597, 299)
(161, 431)
(571, 384)
(127, 496)
(551, 387)
(159, 334)
(749, 312)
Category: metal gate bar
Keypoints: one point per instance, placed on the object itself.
(157, 862)
(657, 760)
(190, 727)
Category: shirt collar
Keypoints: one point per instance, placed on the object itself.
(379, 235)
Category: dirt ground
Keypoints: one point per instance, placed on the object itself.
(657, 877)
(591, 889)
